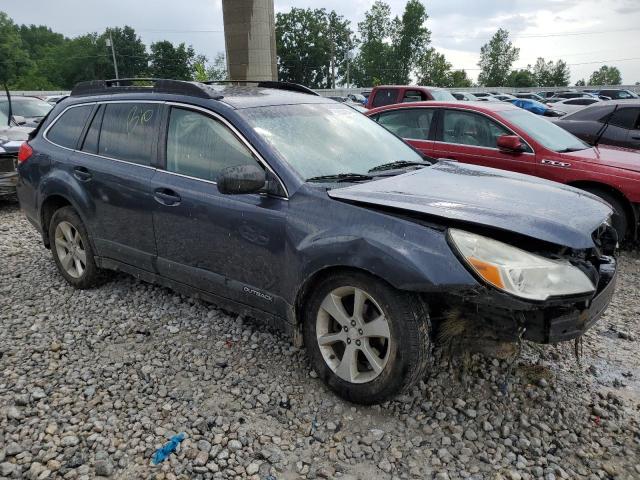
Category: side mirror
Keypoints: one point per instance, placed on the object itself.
(241, 179)
(19, 120)
(510, 144)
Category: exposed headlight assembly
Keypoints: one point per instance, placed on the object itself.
(518, 272)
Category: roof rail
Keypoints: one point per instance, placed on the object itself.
(158, 85)
(293, 87)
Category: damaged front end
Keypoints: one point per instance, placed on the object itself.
(487, 314)
(8, 174)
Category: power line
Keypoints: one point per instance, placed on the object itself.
(542, 35)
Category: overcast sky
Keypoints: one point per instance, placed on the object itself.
(585, 33)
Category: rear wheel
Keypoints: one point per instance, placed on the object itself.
(365, 339)
(71, 249)
(619, 220)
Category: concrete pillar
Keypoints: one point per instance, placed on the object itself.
(250, 39)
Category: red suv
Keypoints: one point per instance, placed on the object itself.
(502, 136)
(392, 94)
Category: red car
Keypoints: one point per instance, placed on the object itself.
(500, 135)
(392, 94)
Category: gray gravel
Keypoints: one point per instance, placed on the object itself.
(93, 382)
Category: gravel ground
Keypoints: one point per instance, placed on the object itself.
(93, 382)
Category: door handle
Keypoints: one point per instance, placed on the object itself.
(82, 174)
(166, 196)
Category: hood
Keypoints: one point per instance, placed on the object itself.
(618, 157)
(485, 196)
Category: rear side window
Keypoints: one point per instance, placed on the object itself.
(66, 130)
(201, 147)
(411, 123)
(384, 96)
(624, 118)
(90, 143)
(129, 131)
(413, 96)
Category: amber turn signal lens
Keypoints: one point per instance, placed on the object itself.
(489, 272)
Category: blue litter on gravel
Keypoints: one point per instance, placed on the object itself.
(167, 449)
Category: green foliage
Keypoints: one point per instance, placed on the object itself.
(167, 61)
(434, 69)
(410, 41)
(496, 59)
(218, 70)
(550, 74)
(131, 53)
(14, 58)
(521, 79)
(606, 76)
(307, 41)
(459, 79)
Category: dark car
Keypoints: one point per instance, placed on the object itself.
(257, 198)
(617, 94)
(11, 138)
(615, 122)
(391, 94)
(30, 110)
(466, 96)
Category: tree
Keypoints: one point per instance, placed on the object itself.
(410, 40)
(374, 64)
(606, 76)
(167, 61)
(434, 69)
(550, 74)
(496, 59)
(312, 45)
(459, 79)
(522, 78)
(131, 53)
(581, 83)
(218, 70)
(13, 56)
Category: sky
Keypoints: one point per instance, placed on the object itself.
(584, 33)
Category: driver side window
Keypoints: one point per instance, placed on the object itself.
(466, 128)
(201, 147)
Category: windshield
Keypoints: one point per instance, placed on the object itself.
(441, 95)
(26, 107)
(4, 117)
(544, 132)
(327, 139)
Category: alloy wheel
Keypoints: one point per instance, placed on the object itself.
(353, 334)
(70, 249)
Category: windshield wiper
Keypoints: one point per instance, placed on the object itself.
(398, 164)
(571, 149)
(341, 177)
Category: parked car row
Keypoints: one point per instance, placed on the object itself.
(258, 199)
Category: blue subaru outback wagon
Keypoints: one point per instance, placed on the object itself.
(256, 198)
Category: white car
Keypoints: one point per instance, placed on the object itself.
(570, 105)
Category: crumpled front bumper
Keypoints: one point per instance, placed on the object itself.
(8, 182)
(553, 321)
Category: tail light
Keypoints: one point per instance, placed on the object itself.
(25, 152)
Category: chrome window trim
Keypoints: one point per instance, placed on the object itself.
(177, 104)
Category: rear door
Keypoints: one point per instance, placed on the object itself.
(115, 164)
(623, 127)
(413, 125)
(228, 245)
(471, 137)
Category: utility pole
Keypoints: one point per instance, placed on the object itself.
(113, 53)
(333, 55)
(348, 62)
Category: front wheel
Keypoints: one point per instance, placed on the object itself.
(365, 339)
(71, 249)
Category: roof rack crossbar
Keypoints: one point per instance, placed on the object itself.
(159, 85)
(294, 87)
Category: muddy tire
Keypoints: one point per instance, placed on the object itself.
(72, 250)
(366, 340)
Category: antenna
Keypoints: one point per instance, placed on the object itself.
(6, 89)
(604, 127)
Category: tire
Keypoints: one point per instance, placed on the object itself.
(401, 360)
(72, 250)
(619, 220)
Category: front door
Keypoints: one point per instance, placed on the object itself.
(471, 137)
(228, 245)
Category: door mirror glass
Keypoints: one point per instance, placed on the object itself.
(241, 179)
(510, 143)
